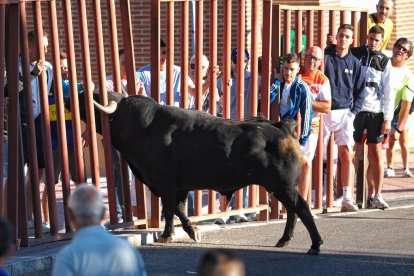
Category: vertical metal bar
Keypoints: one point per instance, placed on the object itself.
(74, 100)
(273, 113)
(310, 19)
(213, 83)
(240, 67)
(321, 35)
(113, 37)
(2, 69)
(363, 27)
(58, 92)
(170, 53)
(254, 80)
(47, 143)
(342, 17)
(270, 58)
(317, 172)
(298, 36)
(329, 172)
(12, 25)
(332, 24)
(131, 81)
(198, 83)
(354, 22)
(184, 54)
(286, 31)
(199, 53)
(87, 82)
(155, 87)
(226, 59)
(110, 175)
(129, 46)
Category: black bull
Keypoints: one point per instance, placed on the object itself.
(174, 151)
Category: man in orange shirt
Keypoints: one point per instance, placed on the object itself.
(321, 103)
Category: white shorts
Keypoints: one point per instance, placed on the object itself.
(341, 123)
(310, 147)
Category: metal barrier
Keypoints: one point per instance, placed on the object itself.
(13, 33)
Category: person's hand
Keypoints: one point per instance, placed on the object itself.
(386, 127)
(85, 139)
(38, 67)
(395, 135)
(329, 40)
(216, 71)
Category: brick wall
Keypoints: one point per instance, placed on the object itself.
(403, 24)
(140, 18)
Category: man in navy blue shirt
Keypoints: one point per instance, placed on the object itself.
(347, 81)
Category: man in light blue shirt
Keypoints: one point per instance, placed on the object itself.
(94, 251)
(145, 78)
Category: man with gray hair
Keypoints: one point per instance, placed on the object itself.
(93, 250)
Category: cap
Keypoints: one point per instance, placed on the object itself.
(234, 54)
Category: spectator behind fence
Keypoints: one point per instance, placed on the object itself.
(382, 19)
(220, 262)
(347, 81)
(321, 103)
(94, 251)
(402, 82)
(373, 122)
(6, 244)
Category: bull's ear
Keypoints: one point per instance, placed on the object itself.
(290, 126)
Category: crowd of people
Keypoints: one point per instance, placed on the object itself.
(365, 96)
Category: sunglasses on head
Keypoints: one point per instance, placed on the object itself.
(400, 47)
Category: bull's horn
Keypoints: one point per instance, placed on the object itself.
(124, 93)
(109, 109)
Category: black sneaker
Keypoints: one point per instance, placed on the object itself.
(370, 201)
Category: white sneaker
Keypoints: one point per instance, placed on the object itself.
(389, 172)
(378, 202)
(407, 173)
(348, 205)
(338, 202)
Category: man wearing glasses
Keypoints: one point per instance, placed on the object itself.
(402, 83)
(374, 118)
(321, 103)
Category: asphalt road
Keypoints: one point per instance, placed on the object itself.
(365, 243)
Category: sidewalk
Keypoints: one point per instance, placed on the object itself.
(38, 260)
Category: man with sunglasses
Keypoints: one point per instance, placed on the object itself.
(374, 118)
(402, 83)
(321, 103)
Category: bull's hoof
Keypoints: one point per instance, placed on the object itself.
(195, 234)
(315, 248)
(165, 240)
(282, 243)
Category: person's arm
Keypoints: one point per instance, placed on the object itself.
(305, 113)
(359, 86)
(274, 90)
(323, 105)
(389, 99)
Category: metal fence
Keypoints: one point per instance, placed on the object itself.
(266, 20)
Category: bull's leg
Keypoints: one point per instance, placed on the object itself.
(289, 229)
(294, 201)
(188, 227)
(168, 202)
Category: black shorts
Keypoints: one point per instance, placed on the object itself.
(372, 122)
(39, 143)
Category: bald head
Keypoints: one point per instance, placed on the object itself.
(313, 58)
